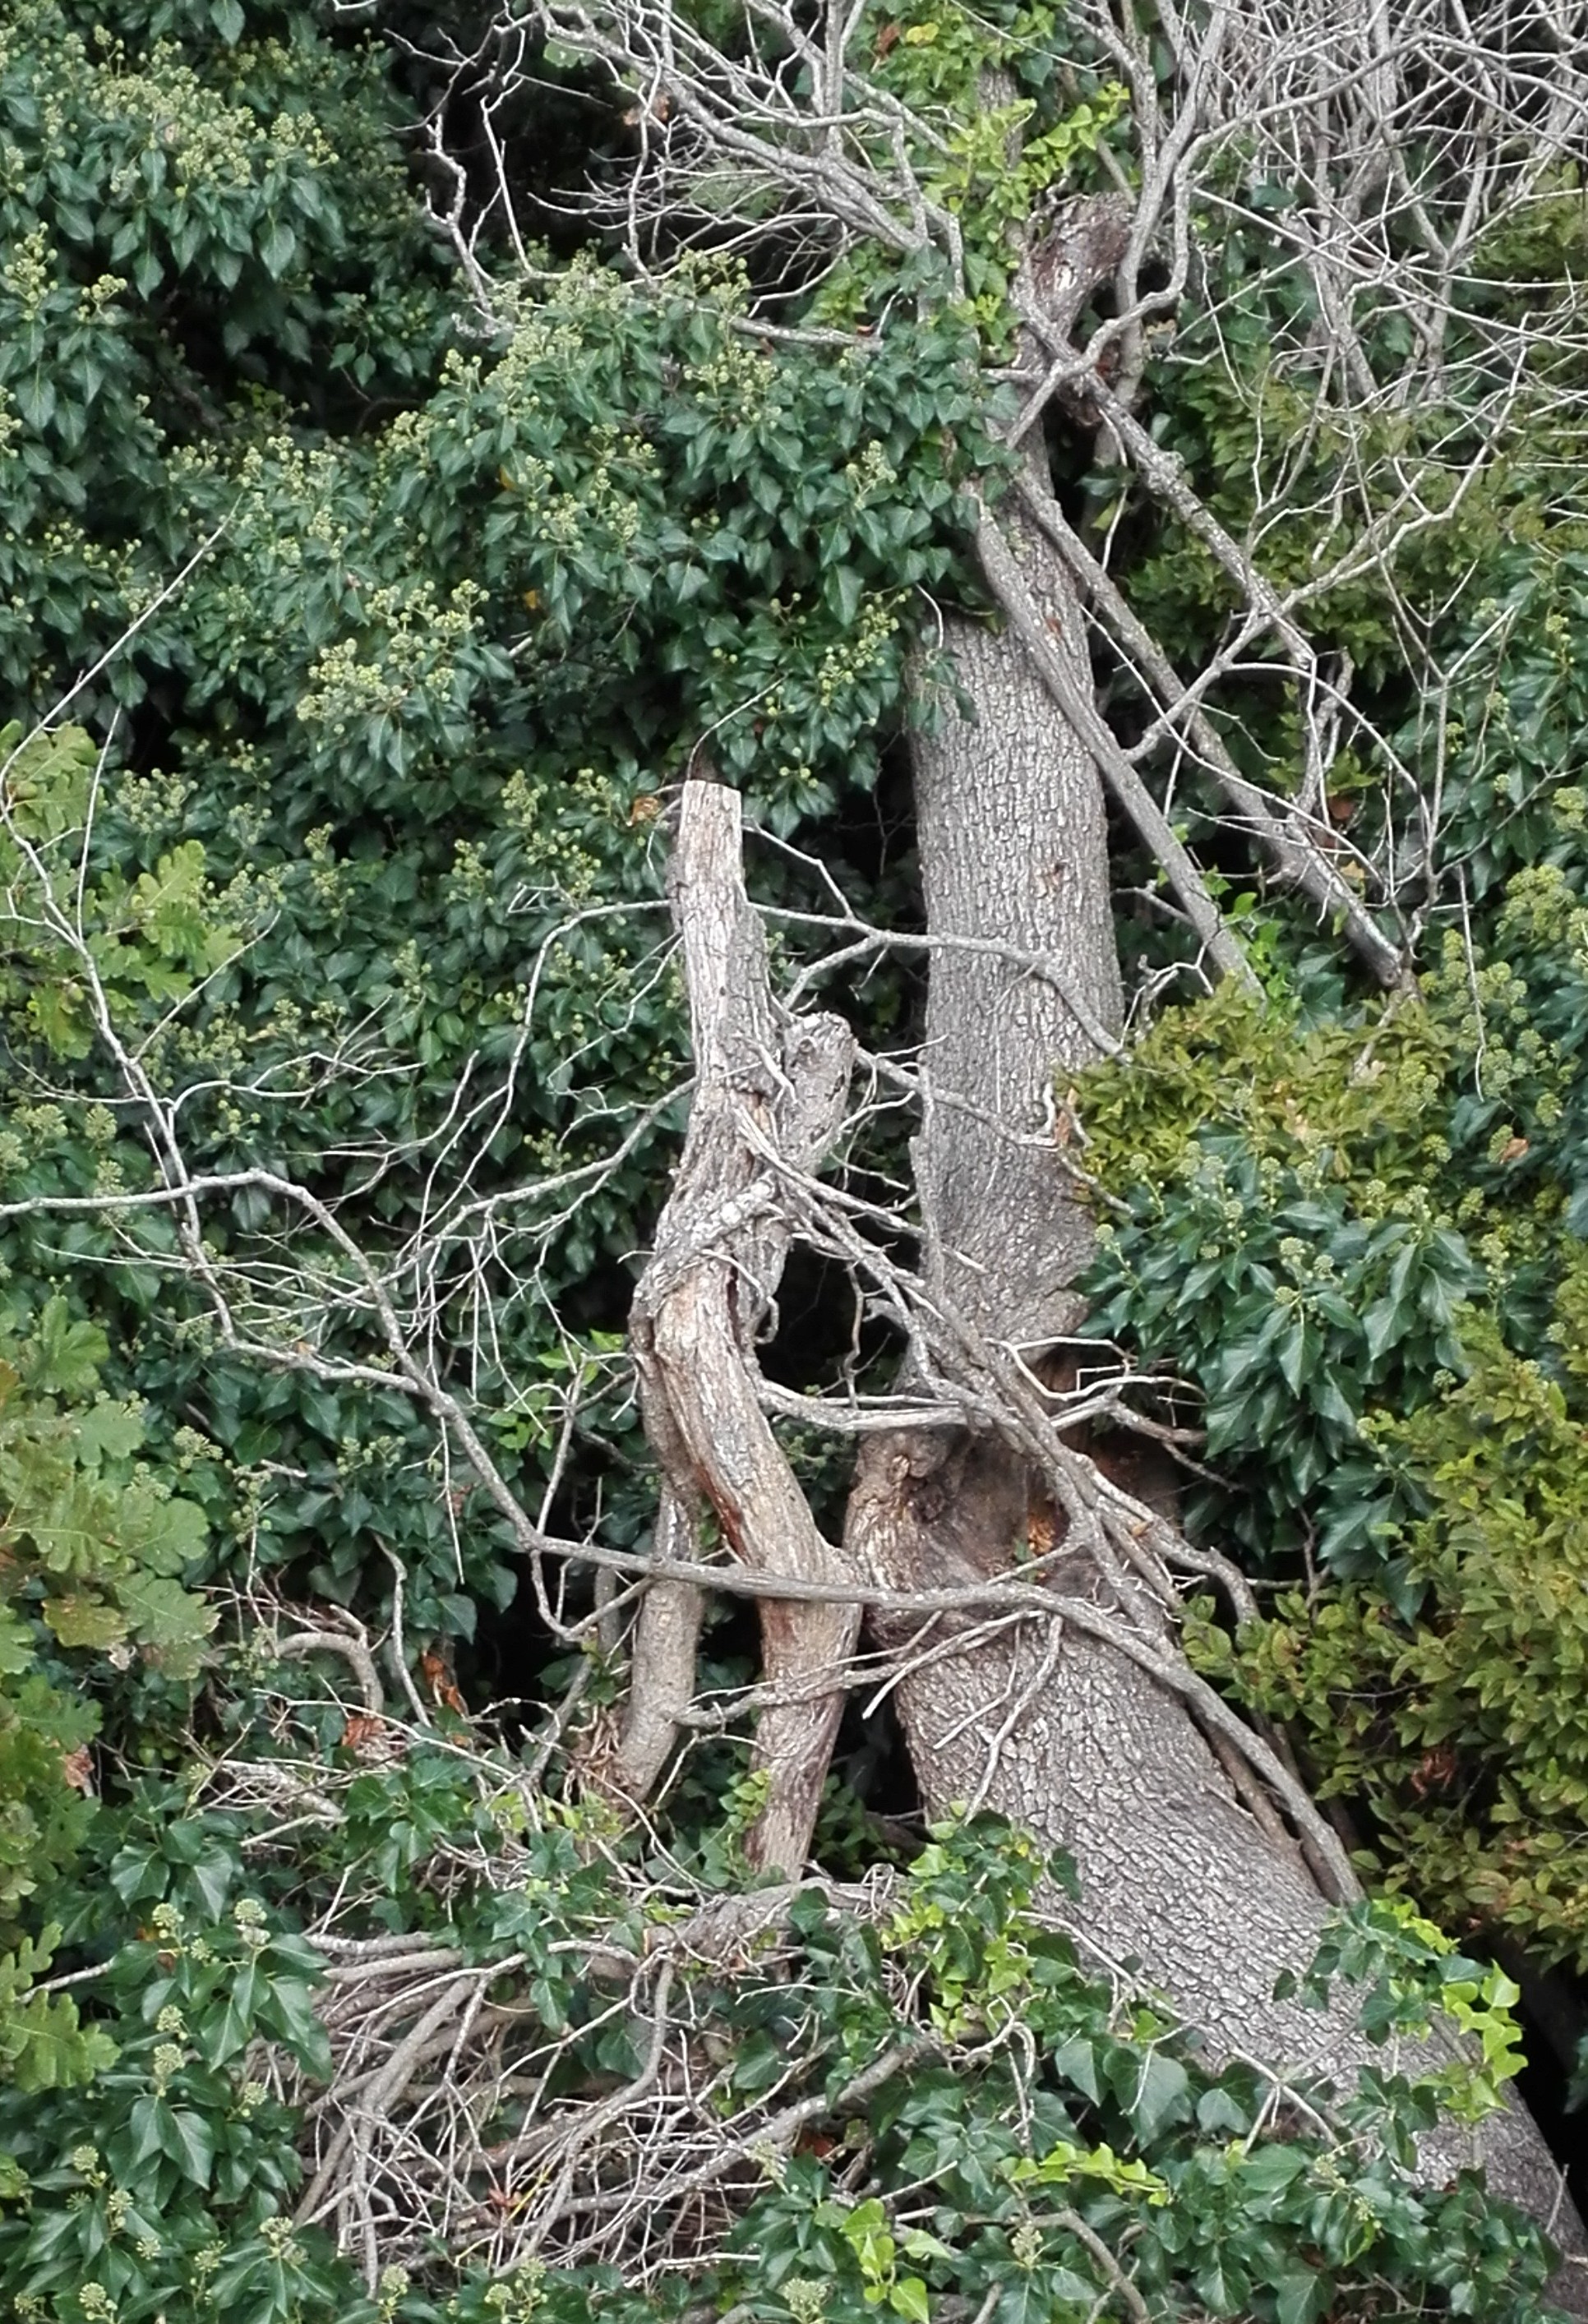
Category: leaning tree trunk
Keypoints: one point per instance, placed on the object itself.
(1082, 1724)
(1183, 1867)
(1071, 1713)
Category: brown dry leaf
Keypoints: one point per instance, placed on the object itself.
(78, 1767)
(1437, 1769)
(1513, 1149)
(361, 1730)
(820, 2143)
(440, 1680)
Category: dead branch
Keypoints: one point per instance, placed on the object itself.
(1008, 585)
(1278, 830)
(710, 1282)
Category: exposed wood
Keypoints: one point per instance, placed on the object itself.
(764, 1088)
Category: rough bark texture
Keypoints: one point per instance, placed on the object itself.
(1012, 834)
(1185, 1870)
(1056, 1731)
(1064, 1736)
(766, 1092)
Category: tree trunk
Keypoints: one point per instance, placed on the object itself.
(1085, 1727)
(1180, 1871)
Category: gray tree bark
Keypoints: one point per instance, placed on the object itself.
(1188, 1873)
(1181, 1872)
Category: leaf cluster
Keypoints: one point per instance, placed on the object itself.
(1360, 1240)
(1037, 2136)
(94, 1551)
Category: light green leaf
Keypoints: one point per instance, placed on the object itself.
(82, 1620)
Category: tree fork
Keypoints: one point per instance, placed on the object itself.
(766, 1089)
(1049, 1724)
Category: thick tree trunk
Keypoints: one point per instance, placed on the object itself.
(1180, 1871)
(1084, 1727)
(1012, 836)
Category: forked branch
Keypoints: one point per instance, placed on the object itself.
(760, 1086)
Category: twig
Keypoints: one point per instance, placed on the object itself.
(1008, 586)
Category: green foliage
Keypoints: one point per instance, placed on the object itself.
(1410, 1972)
(190, 190)
(379, 831)
(990, 165)
(80, 952)
(163, 2188)
(998, 2173)
(1127, 2135)
(93, 1551)
(93, 1545)
(1027, 2130)
(1464, 1732)
(474, 600)
(651, 495)
(1282, 1249)
(1364, 1253)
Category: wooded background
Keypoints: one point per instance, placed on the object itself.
(793, 1005)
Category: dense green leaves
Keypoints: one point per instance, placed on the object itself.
(1366, 1257)
(180, 195)
(413, 712)
(94, 1551)
(364, 881)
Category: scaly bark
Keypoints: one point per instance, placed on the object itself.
(1183, 1870)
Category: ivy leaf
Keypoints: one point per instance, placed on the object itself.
(288, 2010)
(278, 247)
(842, 590)
(1220, 2283)
(1160, 2097)
(146, 2128)
(1302, 2299)
(1272, 2169)
(1383, 1326)
(188, 2139)
(1076, 2061)
(1217, 2110)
